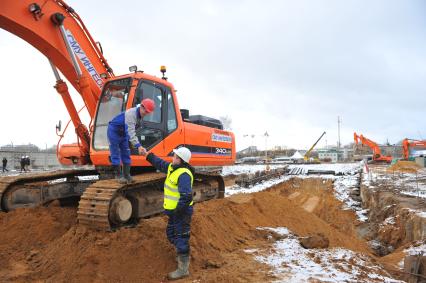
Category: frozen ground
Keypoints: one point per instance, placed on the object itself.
(412, 184)
(409, 184)
(290, 262)
(342, 184)
(339, 168)
(418, 248)
(235, 189)
(247, 168)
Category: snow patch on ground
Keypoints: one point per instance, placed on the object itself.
(290, 262)
(417, 212)
(389, 221)
(343, 184)
(415, 250)
(418, 248)
(339, 168)
(247, 169)
(411, 184)
(235, 189)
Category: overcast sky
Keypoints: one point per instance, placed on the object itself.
(285, 67)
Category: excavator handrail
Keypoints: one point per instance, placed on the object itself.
(61, 136)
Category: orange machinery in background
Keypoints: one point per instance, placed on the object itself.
(410, 143)
(377, 152)
(57, 31)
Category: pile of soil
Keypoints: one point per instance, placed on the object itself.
(25, 229)
(46, 244)
(404, 166)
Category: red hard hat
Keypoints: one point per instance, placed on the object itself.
(148, 104)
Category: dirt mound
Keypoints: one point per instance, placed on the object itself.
(404, 166)
(26, 229)
(221, 230)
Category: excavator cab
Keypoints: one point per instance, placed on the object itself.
(124, 93)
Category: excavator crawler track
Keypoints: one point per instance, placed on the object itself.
(95, 203)
(35, 189)
(108, 205)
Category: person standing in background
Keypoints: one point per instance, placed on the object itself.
(23, 162)
(4, 164)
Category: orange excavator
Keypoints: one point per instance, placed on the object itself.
(57, 31)
(410, 143)
(377, 152)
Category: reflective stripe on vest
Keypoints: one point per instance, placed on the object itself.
(171, 192)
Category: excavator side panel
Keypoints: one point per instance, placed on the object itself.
(209, 146)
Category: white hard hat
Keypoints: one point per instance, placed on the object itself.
(184, 153)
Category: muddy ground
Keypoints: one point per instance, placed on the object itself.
(46, 244)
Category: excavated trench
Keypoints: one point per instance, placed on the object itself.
(395, 223)
(47, 244)
(391, 221)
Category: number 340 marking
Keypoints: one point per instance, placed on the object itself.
(221, 150)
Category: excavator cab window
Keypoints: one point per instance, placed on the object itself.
(112, 102)
(171, 114)
(150, 90)
(152, 131)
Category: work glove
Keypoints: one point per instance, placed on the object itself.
(150, 157)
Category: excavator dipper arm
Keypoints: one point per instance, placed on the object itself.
(57, 31)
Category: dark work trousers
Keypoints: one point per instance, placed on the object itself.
(179, 229)
(23, 166)
(118, 145)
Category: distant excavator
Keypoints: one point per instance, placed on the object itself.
(56, 30)
(377, 152)
(407, 144)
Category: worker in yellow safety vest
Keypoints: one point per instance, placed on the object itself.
(177, 204)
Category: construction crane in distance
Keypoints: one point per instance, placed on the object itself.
(308, 153)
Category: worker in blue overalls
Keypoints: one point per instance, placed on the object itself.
(177, 204)
(121, 130)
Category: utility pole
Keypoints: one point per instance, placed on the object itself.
(12, 155)
(252, 141)
(339, 121)
(266, 150)
(45, 157)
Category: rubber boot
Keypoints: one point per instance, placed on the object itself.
(126, 179)
(117, 171)
(183, 268)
